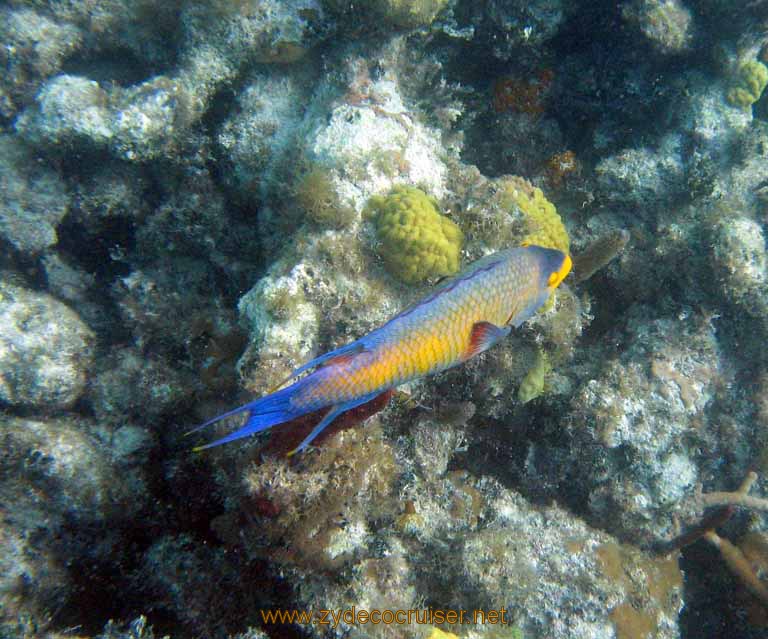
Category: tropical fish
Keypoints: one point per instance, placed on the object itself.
(461, 318)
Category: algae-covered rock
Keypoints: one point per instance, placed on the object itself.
(45, 350)
(270, 31)
(740, 261)
(283, 325)
(33, 198)
(417, 242)
(69, 109)
(317, 195)
(261, 130)
(665, 23)
(642, 177)
(33, 48)
(409, 13)
(639, 423)
(66, 492)
(515, 23)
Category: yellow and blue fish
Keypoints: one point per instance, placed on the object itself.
(458, 320)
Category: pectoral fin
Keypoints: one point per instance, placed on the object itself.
(483, 336)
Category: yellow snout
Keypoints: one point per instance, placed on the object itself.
(558, 276)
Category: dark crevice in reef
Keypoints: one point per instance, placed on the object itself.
(98, 254)
(717, 604)
(154, 50)
(131, 582)
(118, 66)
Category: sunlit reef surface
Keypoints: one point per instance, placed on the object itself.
(185, 218)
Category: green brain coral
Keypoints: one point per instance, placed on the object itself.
(748, 84)
(416, 241)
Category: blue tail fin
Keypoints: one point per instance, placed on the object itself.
(263, 413)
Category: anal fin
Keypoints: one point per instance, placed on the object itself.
(332, 414)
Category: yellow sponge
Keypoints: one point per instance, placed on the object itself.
(545, 227)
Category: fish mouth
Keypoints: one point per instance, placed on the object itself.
(556, 278)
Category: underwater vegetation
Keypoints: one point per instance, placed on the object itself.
(316, 194)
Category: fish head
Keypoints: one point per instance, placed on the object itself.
(557, 276)
(553, 265)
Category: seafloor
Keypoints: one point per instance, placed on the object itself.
(198, 196)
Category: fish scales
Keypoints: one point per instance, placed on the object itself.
(461, 318)
(435, 334)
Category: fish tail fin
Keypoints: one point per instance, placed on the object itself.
(263, 413)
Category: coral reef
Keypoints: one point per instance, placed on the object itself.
(640, 417)
(339, 506)
(544, 225)
(198, 197)
(417, 242)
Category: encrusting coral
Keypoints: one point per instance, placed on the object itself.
(417, 242)
(545, 227)
(748, 84)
